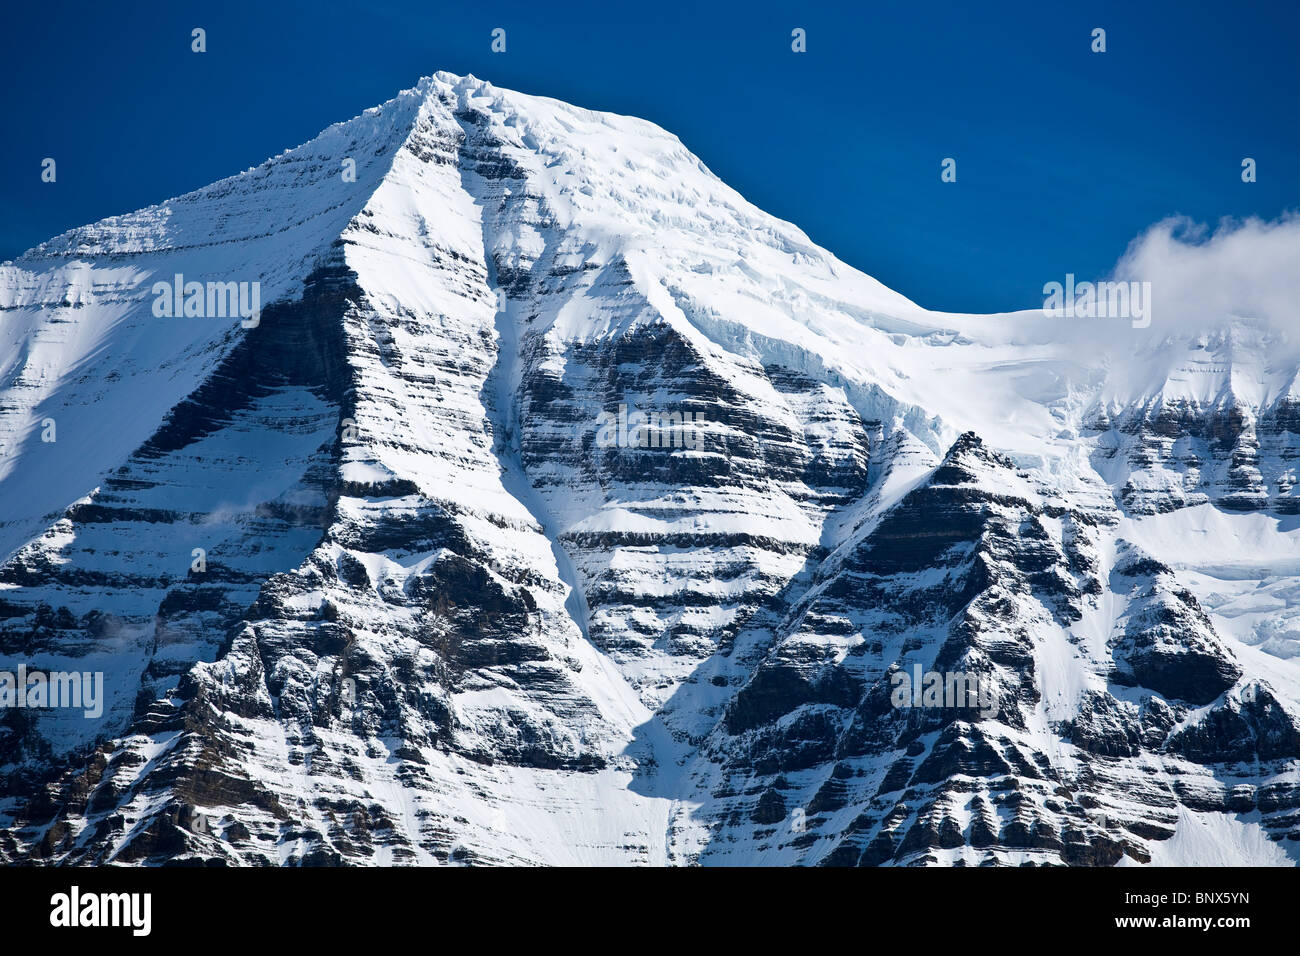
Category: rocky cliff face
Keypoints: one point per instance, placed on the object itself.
(1220, 429)
(562, 507)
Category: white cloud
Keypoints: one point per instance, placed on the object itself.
(1201, 278)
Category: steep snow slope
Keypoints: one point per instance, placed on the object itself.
(79, 342)
(442, 620)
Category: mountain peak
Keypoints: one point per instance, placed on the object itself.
(551, 481)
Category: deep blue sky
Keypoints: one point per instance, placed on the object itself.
(1063, 155)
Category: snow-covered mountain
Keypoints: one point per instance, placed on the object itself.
(384, 574)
